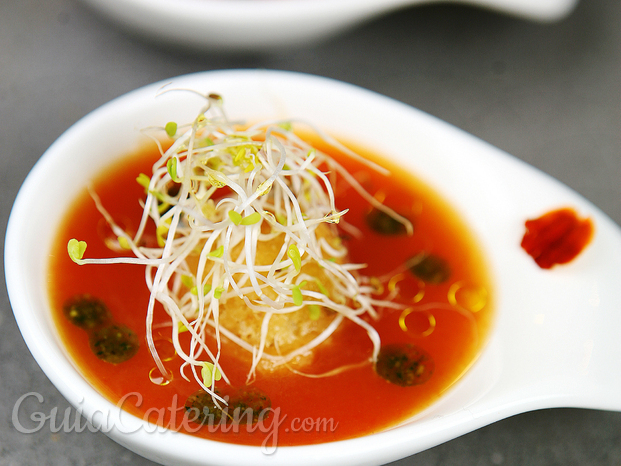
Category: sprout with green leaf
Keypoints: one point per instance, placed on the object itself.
(242, 192)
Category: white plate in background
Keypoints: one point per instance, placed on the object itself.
(263, 25)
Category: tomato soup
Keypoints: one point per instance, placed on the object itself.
(438, 274)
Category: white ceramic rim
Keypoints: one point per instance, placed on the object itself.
(484, 184)
(254, 25)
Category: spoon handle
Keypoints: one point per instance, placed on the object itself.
(561, 332)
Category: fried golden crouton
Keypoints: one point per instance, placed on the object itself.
(286, 331)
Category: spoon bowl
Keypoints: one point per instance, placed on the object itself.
(555, 339)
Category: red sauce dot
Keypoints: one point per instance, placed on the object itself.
(556, 237)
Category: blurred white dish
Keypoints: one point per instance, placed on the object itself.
(555, 340)
(253, 25)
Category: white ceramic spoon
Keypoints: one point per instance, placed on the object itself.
(253, 25)
(556, 338)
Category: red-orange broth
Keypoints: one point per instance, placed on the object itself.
(307, 410)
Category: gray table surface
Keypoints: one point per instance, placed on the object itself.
(550, 94)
